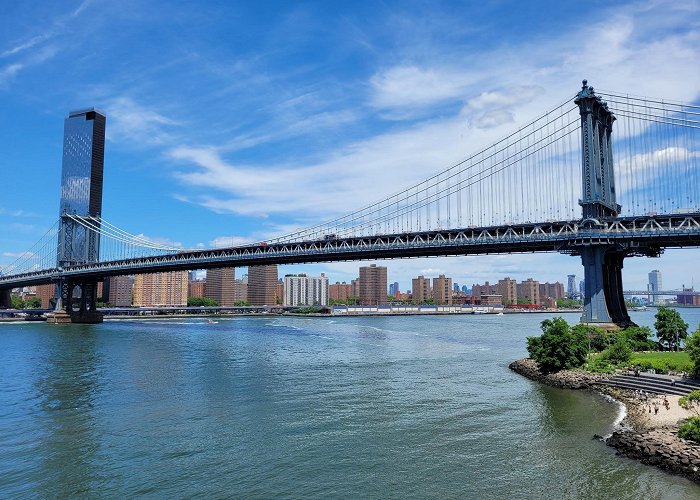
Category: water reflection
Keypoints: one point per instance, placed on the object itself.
(67, 389)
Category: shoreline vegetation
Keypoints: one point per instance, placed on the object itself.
(643, 434)
(661, 426)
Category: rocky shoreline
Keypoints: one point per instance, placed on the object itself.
(565, 379)
(638, 437)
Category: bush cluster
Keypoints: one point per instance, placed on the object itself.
(563, 347)
(559, 347)
(690, 429)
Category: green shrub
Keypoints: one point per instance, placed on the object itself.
(558, 347)
(600, 365)
(598, 339)
(690, 429)
(692, 347)
(691, 402)
(619, 352)
(638, 338)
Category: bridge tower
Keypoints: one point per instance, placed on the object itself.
(602, 262)
(81, 201)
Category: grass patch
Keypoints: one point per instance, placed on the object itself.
(676, 357)
(659, 361)
(662, 361)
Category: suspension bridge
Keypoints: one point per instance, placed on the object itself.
(553, 185)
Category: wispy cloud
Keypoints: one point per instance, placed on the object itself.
(137, 124)
(20, 255)
(17, 213)
(411, 87)
(37, 48)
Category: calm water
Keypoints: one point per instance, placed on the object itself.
(297, 407)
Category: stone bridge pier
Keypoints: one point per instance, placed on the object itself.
(76, 303)
(604, 302)
(5, 299)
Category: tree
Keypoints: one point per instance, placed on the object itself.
(692, 347)
(201, 302)
(638, 337)
(241, 303)
(17, 302)
(618, 352)
(598, 339)
(33, 303)
(558, 347)
(670, 327)
(567, 303)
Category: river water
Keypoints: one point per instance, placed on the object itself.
(261, 407)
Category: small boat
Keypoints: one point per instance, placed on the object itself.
(212, 322)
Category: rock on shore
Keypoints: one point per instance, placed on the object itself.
(637, 438)
(660, 447)
(566, 379)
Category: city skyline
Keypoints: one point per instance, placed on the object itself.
(394, 93)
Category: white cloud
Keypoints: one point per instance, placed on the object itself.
(17, 213)
(20, 255)
(411, 86)
(138, 124)
(8, 73)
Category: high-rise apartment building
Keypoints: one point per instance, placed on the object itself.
(118, 290)
(81, 186)
(485, 289)
(654, 286)
(442, 290)
(160, 289)
(508, 290)
(340, 291)
(554, 291)
(571, 286)
(196, 288)
(45, 293)
(529, 291)
(279, 292)
(220, 285)
(373, 281)
(303, 290)
(240, 289)
(420, 290)
(262, 285)
(355, 285)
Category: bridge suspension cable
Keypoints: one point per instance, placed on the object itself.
(657, 146)
(42, 255)
(517, 179)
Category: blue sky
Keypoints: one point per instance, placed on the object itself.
(239, 121)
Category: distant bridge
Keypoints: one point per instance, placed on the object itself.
(692, 293)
